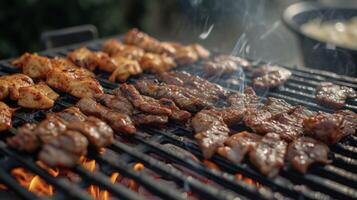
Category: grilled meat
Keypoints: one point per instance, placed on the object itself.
(38, 96)
(305, 151)
(149, 119)
(5, 116)
(25, 139)
(33, 65)
(146, 42)
(187, 54)
(83, 57)
(268, 76)
(124, 69)
(268, 155)
(210, 132)
(115, 48)
(329, 128)
(224, 64)
(238, 145)
(156, 63)
(184, 98)
(74, 82)
(72, 114)
(10, 85)
(65, 64)
(242, 101)
(332, 95)
(277, 106)
(118, 121)
(176, 113)
(349, 116)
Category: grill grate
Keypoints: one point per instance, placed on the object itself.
(334, 181)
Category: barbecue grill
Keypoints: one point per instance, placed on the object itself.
(166, 173)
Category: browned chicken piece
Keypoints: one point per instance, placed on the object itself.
(238, 145)
(225, 64)
(157, 63)
(270, 76)
(268, 155)
(10, 85)
(62, 64)
(105, 62)
(329, 128)
(305, 151)
(187, 54)
(331, 95)
(118, 121)
(83, 57)
(115, 48)
(5, 116)
(33, 65)
(38, 96)
(210, 132)
(125, 68)
(200, 50)
(25, 139)
(72, 81)
(146, 42)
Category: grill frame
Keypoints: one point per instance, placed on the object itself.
(148, 138)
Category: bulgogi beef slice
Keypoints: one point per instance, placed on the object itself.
(116, 102)
(349, 116)
(72, 114)
(268, 155)
(246, 100)
(270, 76)
(277, 106)
(332, 95)
(230, 116)
(328, 128)
(225, 64)
(176, 113)
(148, 119)
(210, 132)
(25, 139)
(305, 151)
(238, 145)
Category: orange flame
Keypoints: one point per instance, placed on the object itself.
(211, 165)
(248, 180)
(131, 183)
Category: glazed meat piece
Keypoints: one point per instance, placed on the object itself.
(349, 116)
(5, 116)
(83, 57)
(210, 132)
(277, 106)
(38, 96)
(238, 145)
(187, 54)
(115, 48)
(65, 150)
(156, 63)
(305, 151)
(242, 101)
(184, 98)
(98, 133)
(74, 82)
(328, 128)
(146, 42)
(25, 139)
(231, 116)
(332, 95)
(268, 155)
(118, 121)
(124, 69)
(10, 85)
(33, 65)
(72, 114)
(63, 63)
(179, 151)
(268, 76)
(148, 119)
(176, 113)
(225, 64)
(50, 128)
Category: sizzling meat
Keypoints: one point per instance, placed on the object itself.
(125, 68)
(329, 128)
(332, 95)
(305, 151)
(115, 48)
(118, 121)
(38, 96)
(224, 64)
(5, 116)
(157, 63)
(25, 139)
(268, 76)
(268, 155)
(72, 114)
(83, 57)
(187, 54)
(33, 65)
(238, 145)
(210, 132)
(243, 101)
(176, 113)
(10, 85)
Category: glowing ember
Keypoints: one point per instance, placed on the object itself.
(210, 165)
(248, 180)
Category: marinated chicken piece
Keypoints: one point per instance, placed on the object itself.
(83, 57)
(157, 63)
(105, 62)
(268, 76)
(65, 64)
(114, 48)
(238, 145)
(125, 68)
(208, 90)
(65, 150)
(25, 139)
(72, 81)
(187, 54)
(98, 133)
(268, 155)
(118, 121)
(210, 132)
(305, 151)
(184, 98)
(246, 100)
(328, 128)
(10, 85)
(146, 42)
(33, 65)
(332, 95)
(5, 116)
(38, 96)
(225, 64)
(72, 114)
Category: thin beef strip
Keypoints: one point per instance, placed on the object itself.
(268, 76)
(332, 95)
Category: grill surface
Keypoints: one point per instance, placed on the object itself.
(337, 180)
